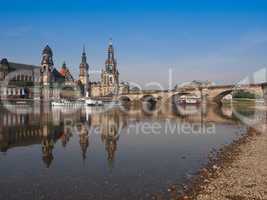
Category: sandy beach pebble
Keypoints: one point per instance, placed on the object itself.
(244, 179)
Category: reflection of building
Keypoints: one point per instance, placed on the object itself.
(110, 124)
(111, 147)
(25, 129)
(47, 150)
(83, 140)
(14, 131)
(65, 137)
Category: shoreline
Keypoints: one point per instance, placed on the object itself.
(237, 171)
(224, 179)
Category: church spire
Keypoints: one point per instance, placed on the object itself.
(110, 41)
(84, 55)
(110, 50)
(110, 62)
(84, 68)
(64, 65)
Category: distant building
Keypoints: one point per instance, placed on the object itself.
(20, 78)
(45, 82)
(31, 81)
(65, 72)
(84, 74)
(53, 82)
(109, 84)
(193, 85)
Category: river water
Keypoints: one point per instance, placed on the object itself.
(120, 152)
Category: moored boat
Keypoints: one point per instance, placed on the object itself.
(92, 102)
(63, 102)
(188, 100)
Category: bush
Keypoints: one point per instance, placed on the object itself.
(244, 95)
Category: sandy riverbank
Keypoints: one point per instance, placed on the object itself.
(240, 173)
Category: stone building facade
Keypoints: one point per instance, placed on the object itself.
(16, 79)
(109, 84)
(46, 83)
(53, 82)
(84, 75)
(42, 82)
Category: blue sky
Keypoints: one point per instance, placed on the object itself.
(222, 41)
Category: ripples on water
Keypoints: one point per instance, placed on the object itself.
(112, 154)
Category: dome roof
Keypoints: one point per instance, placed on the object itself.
(47, 50)
(4, 65)
(4, 61)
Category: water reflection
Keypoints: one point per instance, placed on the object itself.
(23, 127)
(47, 150)
(77, 132)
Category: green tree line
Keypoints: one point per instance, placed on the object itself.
(241, 94)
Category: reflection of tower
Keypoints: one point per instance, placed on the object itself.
(47, 150)
(84, 73)
(110, 134)
(3, 141)
(65, 138)
(84, 141)
(111, 147)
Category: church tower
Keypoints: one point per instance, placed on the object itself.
(84, 72)
(47, 66)
(46, 76)
(110, 75)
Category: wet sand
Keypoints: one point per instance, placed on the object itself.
(239, 173)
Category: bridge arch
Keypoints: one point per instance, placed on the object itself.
(218, 96)
(125, 98)
(222, 94)
(148, 98)
(159, 98)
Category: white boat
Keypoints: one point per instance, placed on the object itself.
(188, 100)
(191, 101)
(63, 102)
(21, 102)
(92, 102)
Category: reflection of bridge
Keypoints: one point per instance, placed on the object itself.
(211, 93)
(191, 114)
(18, 128)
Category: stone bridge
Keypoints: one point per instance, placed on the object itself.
(210, 93)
